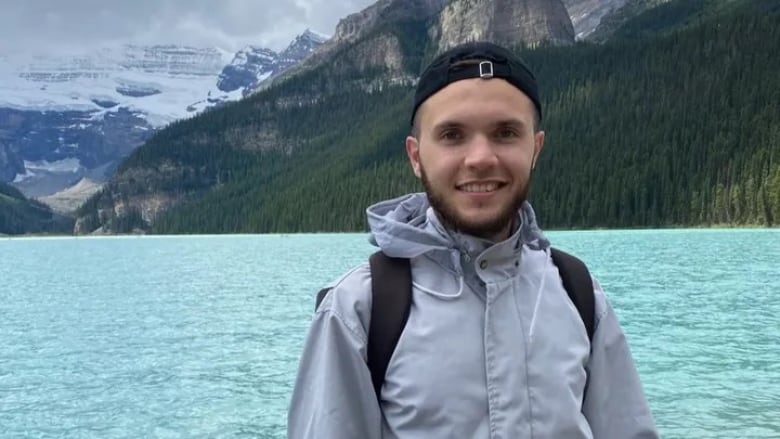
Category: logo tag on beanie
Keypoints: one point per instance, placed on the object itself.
(486, 69)
(479, 59)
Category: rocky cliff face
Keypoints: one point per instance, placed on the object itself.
(46, 151)
(10, 163)
(300, 48)
(586, 15)
(510, 22)
(384, 35)
(361, 23)
(249, 65)
(371, 30)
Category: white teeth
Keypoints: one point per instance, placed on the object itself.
(479, 187)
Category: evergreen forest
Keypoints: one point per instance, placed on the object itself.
(672, 122)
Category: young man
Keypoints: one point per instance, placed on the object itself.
(493, 346)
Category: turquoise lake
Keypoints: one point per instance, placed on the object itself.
(199, 336)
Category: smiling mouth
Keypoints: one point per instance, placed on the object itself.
(480, 188)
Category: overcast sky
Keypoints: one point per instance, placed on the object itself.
(34, 26)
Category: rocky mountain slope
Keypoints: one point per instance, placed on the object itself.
(508, 22)
(252, 66)
(586, 15)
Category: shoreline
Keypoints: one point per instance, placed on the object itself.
(345, 232)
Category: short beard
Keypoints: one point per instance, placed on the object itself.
(484, 229)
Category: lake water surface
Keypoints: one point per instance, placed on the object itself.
(199, 336)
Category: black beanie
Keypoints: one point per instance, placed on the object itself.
(490, 61)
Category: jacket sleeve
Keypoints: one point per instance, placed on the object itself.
(615, 404)
(333, 395)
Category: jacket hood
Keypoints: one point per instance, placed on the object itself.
(407, 227)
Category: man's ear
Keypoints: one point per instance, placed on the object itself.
(413, 152)
(538, 145)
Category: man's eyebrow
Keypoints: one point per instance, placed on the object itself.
(453, 124)
(511, 122)
(448, 124)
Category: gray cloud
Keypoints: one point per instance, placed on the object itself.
(57, 25)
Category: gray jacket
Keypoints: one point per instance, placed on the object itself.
(493, 347)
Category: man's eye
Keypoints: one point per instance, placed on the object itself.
(451, 135)
(507, 133)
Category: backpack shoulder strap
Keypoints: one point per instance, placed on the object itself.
(579, 286)
(391, 291)
(320, 295)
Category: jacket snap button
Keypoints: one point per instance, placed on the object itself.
(483, 264)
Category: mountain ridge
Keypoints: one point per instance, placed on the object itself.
(380, 36)
(97, 107)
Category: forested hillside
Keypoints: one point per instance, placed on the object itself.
(18, 215)
(681, 130)
(673, 122)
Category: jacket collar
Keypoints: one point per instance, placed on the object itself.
(409, 227)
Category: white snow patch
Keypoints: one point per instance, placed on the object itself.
(71, 165)
(322, 37)
(22, 177)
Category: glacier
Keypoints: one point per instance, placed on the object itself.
(88, 111)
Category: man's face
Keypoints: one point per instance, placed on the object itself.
(474, 153)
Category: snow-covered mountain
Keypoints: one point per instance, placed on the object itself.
(158, 81)
(300, 48)
(250, 66)
(68, 117)
(253, 65)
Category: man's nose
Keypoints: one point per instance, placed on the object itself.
(480, 153)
